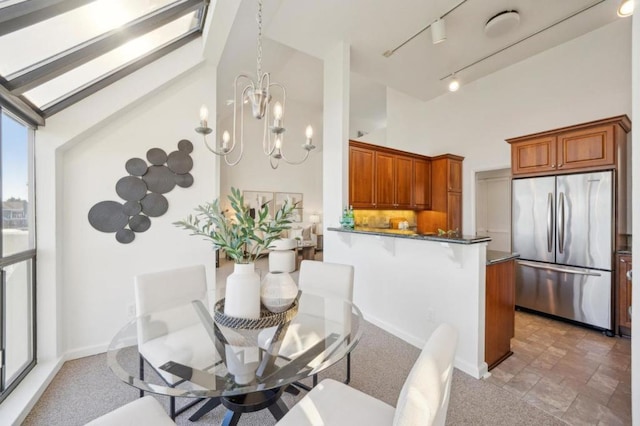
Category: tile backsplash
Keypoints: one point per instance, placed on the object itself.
(384, 218)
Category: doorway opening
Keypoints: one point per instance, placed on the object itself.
(493, 207)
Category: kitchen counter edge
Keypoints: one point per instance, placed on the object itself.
(495, 256)
(465, 239)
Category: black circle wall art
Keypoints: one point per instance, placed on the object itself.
(142, 191)
(108, 216)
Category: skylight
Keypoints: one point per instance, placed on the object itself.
(56, 52)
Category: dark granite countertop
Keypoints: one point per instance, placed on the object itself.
(413, 235)
(495, 256)
(624, 250)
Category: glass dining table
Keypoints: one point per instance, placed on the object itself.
(185, 351)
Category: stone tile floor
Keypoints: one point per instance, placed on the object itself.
(574, 373)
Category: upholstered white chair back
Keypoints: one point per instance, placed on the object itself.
(326, 279)
(167, 295)
(424, 398)
(145, 411)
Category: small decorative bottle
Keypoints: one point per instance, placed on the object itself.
(352, 219)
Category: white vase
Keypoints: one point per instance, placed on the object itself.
(242, 362)
(278, 291)
(242, 295)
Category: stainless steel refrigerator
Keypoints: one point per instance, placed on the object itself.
(563, 230)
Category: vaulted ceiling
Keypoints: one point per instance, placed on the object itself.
(298, 34)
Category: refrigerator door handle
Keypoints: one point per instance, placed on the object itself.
(556, 269)
(561, 222)
(550, 222)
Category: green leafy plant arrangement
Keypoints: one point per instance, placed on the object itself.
(242, 237)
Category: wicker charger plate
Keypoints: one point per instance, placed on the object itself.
(267, 318)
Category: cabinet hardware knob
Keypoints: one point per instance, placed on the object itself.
(623, 261)
(553, 166)
(560, 165)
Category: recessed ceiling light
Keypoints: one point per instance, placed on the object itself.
(500, 24)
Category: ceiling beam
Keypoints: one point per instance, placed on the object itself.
(91, 88)
(26, 13)
(21, 108)
(59, 64)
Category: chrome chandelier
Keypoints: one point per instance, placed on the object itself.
(259, 94)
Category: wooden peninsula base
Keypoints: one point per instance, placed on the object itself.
(500, 307)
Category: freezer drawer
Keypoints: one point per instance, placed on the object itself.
(578, 294)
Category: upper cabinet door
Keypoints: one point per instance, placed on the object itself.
(404, 182)
(422, 184)
(455, 176)
(584, 148)
(361, 177)
(385, 180)
(534, 156)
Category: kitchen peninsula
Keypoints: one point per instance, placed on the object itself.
(408, 283)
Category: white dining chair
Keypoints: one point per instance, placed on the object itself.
(331, 280)
(145, 411)
(169, 328)
(423, 400)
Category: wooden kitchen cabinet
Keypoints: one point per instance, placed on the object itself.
(624, 287)
(422, 184)
(454, 211)
(446, 195)
(594, 145)
(454, 178)
(537, 155)
(384, 178)
(500, 312)
(586, 148)
(403, 174)
(362, 177)
(384, 185)
(394, 181)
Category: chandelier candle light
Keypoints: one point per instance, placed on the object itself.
(259, 94)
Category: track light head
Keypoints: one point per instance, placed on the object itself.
(454, 84)
(438, 31)
(626, 8)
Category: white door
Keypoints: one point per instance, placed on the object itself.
(493, 208)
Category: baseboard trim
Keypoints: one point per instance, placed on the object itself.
(86, 351)
(477, 371)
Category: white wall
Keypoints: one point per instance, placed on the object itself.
(82, 155)
(409, 286)
(585, 79)
(254, 173)
(98, 271)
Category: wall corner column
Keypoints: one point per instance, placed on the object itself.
(335, 150)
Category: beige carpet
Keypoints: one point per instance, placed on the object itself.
(85, 388)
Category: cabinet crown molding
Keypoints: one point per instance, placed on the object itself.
(622, 120)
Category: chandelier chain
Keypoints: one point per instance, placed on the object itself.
(259, 44)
